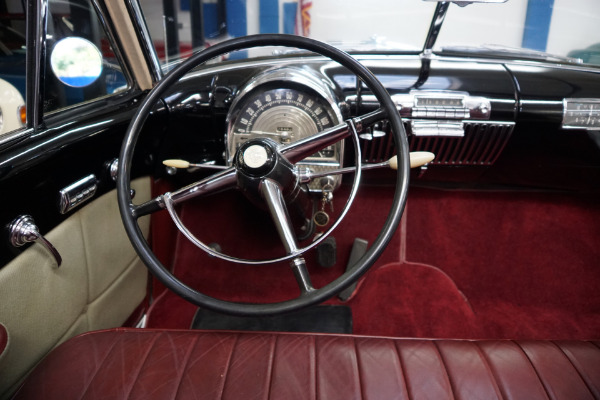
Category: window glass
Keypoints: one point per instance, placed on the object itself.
(12, 66)
(67, 82)
(540, 29)
(180, 27)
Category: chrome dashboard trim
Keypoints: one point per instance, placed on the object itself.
(472, 107)
(572, 106)
(291, 74)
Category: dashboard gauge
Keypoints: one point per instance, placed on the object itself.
(287, 104)
(284, 115)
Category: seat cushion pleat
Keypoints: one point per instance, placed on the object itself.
(293, 375)
(160, 375)
(426, 376)
(585, 357)
(558, 375)
(207, 367)
(119, 372)
(514, 374)
(249, 371)
(337, 368)
(468, 371)
(380, 370)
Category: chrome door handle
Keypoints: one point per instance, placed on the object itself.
(23, 230)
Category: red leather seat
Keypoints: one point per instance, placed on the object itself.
(149, 364)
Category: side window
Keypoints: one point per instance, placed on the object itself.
(12, 66)
(81, 65)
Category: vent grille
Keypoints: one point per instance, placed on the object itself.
(482, 145)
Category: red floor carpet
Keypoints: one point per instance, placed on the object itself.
(463, 264)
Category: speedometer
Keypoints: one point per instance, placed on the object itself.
(284, 115)
(288, 104)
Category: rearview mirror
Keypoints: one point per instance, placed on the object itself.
(76, 62)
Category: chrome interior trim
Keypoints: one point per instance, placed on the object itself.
(15, 136)
(437, 21)
(23, 230)
(77, 193)
(437, 128)
(37, 13)
(581, 113)
(146, 39)
(450, 105)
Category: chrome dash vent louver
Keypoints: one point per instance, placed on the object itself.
(481, 144)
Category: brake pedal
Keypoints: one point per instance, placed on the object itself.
(327, 252)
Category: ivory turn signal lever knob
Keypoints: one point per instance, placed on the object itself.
(417, 159)
(183, 164)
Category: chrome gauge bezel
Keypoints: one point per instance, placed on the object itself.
(291, 78)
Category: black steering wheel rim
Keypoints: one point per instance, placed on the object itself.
(306, 299)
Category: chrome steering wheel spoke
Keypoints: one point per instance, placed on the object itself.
(299, 150)
(301, 274)
(271, 192)
(215, 183)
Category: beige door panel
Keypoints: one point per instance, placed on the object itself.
(99, 284)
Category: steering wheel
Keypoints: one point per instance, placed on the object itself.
(265, 170)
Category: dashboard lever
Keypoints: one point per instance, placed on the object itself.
(417, 159)
(182, 164)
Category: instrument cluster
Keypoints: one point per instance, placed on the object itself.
(286, 105)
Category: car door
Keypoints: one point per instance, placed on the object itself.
(66, 266)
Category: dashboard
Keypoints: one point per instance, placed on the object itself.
(490, 123)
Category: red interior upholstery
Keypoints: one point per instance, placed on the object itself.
(152, 364)
(3, 339)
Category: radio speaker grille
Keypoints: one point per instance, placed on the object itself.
(482, 145)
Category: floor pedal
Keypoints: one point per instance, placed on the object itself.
(359, 248)
(327, 252)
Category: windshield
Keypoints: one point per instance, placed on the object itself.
(547, 29)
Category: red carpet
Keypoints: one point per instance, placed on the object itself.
(470, 265)
(529, 263)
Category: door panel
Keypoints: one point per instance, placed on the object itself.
(99, 284)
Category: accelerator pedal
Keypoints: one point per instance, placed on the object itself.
(359, 248)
